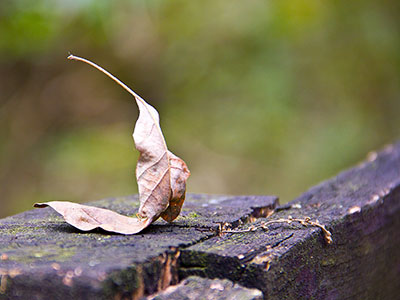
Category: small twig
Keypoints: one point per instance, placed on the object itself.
(250, 229)
(305, 222)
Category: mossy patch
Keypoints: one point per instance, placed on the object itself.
(193, 215)
(47, 254)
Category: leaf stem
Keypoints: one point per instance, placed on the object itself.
(123, 85)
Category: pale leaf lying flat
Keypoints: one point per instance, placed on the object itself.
(161, 178)
(88, 218)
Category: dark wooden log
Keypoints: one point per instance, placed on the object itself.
(42, 257)
(361, 207)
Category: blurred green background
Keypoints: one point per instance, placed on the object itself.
(258, 97)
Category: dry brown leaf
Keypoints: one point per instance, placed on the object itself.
(179, 174)
(161, 178)
(153, 167)
(87, 218)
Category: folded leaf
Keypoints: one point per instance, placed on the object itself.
(88, 218)
(153, 167)
(179, 174)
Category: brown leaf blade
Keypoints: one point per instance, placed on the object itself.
(153, 167)
(87, 218)
(179, 175)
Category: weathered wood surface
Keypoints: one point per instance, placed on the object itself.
(195, 288)
(44, 258)
(361, 207)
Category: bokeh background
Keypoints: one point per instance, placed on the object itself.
(258, 97)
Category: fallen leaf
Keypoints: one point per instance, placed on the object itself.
(161, 178)
(87, 218)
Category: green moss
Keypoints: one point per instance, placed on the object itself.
(194, 258)
(14, 230)
(193, 215)
(328, 262)
(49, 253)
